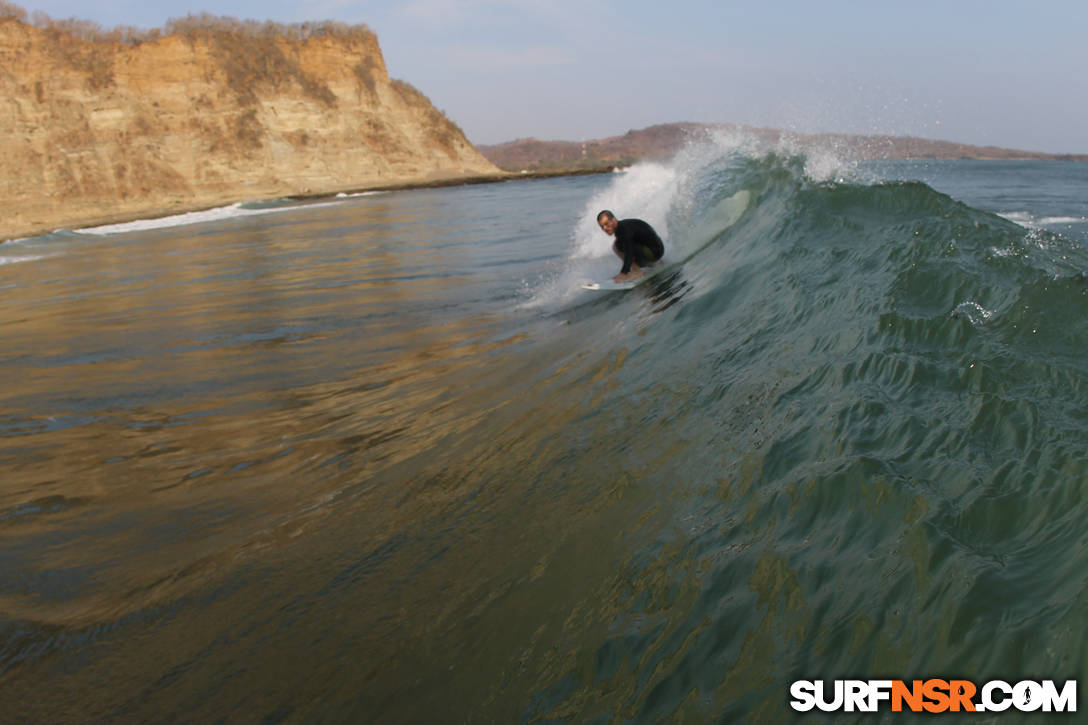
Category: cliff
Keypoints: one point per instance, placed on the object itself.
(664, 140)
(96, 131)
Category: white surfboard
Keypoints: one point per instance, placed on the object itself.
(647, 272)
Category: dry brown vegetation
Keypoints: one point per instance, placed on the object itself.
(267, 28)
(93, 32)
(443, 131)
(249, 52)
(87, 30)
(8, 10)
(365, 71)
(250, 61)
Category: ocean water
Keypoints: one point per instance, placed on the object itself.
(380, 459)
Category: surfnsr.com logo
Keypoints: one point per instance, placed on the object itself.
(933, 696)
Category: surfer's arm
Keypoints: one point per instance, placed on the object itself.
(628, 248)
(625, 249)
(625, 273)
(630, 270)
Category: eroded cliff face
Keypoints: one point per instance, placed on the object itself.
(96, 132)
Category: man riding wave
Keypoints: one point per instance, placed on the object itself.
(637, 244)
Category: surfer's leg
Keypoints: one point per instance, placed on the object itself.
(645, 256)
(655, 250)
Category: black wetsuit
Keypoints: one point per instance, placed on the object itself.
(638, 243)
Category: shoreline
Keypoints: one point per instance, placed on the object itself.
(503, 176)
(457, 181)
(108, 219)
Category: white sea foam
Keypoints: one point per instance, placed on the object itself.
(1027, 219)
(28, 258)
(194, 217)
(645, 191)
(356, 195)
(1023, 218)
(975, 313)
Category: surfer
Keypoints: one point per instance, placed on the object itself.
(637, 244)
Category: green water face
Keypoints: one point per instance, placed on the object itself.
(382, 461)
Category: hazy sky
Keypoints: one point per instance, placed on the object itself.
(999, 72)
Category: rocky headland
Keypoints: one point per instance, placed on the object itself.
(209, 112)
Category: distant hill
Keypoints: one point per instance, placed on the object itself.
(664, 140)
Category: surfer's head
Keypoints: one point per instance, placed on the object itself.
(607, 222)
